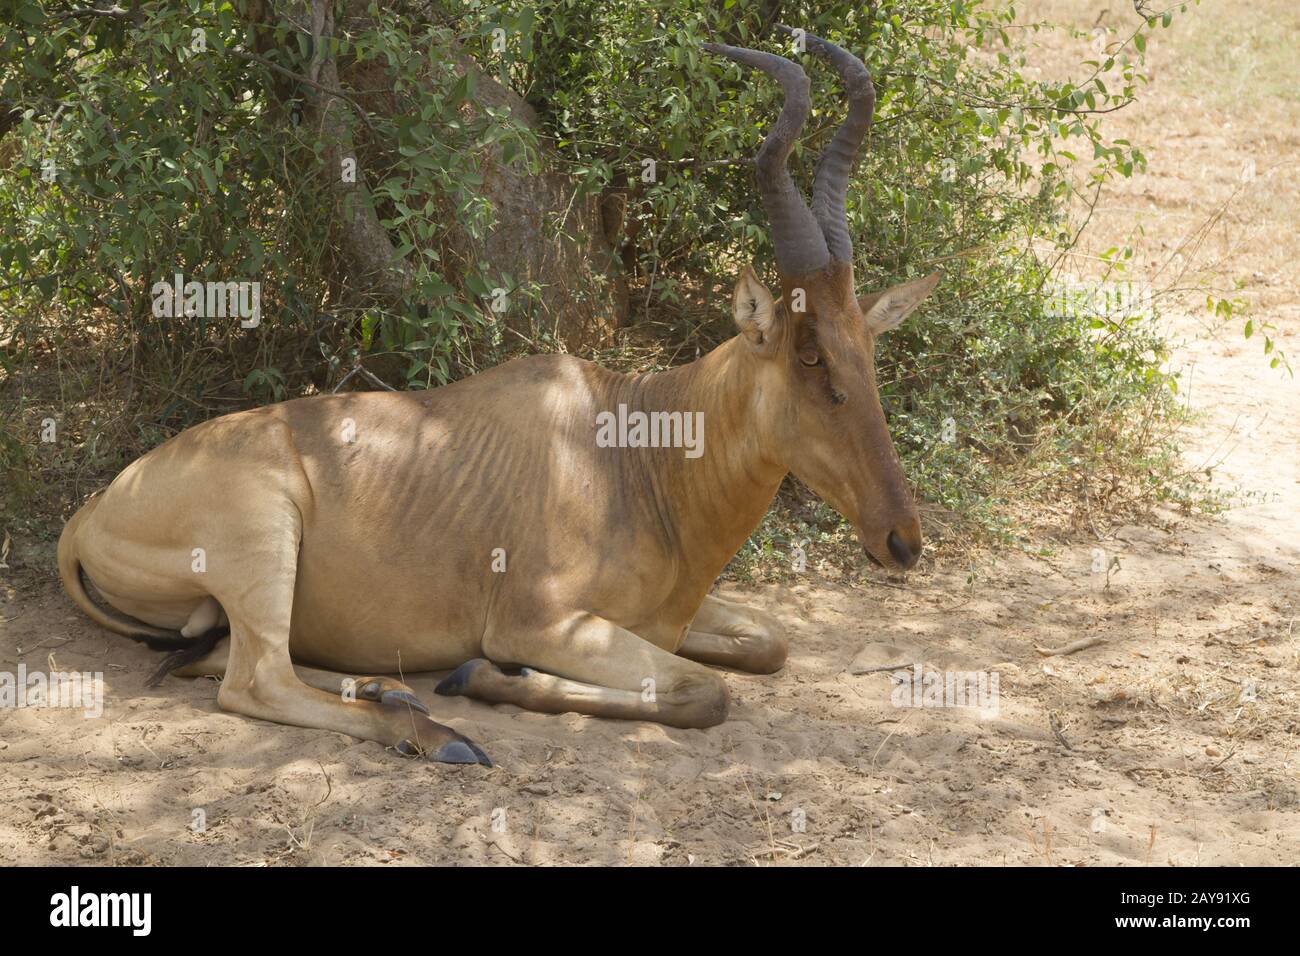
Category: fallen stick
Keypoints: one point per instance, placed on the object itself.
(1056, 729)
(885, 667)
(1220, 763)
(882, 584)
(1082, 645)
(793, 850)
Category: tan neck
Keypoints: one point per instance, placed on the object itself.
(709, 505)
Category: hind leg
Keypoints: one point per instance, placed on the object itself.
(260, 681)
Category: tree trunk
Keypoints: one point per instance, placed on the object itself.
(541, 235)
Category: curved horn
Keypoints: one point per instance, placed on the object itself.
(796, 235)
(831, 182)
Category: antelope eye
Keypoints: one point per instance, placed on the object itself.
(810, 359)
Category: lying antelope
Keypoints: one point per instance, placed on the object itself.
(482, 527)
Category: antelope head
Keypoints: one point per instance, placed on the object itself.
(812, 351)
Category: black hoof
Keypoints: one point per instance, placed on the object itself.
(460, 751)
(373, 690)
(396, 697)
(457, 682)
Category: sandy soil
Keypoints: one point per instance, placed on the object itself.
(1174, 741)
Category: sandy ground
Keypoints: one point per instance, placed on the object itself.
(1174, 741)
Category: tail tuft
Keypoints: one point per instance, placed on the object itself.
(195, 648)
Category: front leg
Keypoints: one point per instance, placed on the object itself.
(588, 665)
(733, 635)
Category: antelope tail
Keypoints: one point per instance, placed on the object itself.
(74, 583)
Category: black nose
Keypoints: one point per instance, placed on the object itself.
(901, 552)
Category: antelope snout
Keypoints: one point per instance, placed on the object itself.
(905, 548)
(903, 544)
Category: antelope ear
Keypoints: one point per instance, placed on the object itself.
(885, 310)
(754, 309)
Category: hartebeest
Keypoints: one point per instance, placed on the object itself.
(483, 524)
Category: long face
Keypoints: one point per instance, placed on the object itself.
(816, 380)
(820, 409)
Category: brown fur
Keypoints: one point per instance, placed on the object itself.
(376, 555)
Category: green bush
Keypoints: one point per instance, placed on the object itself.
(171, 158)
